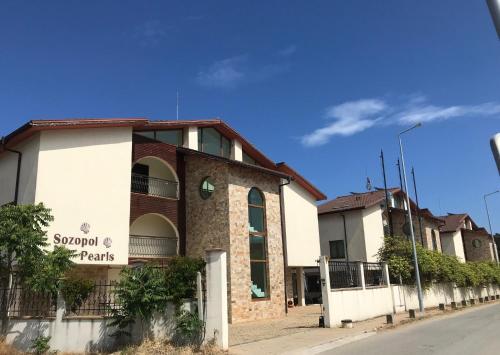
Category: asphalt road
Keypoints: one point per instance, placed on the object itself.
(475, 331)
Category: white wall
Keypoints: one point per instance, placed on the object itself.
(358, 304)
(374, 232)
(451, 244)
(84, 176)
(302, 232)
(153, 225)
(237, 151)
(28, 176)
(331, 227)
(191, 137)
(406, 297)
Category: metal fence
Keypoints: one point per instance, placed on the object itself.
(344, 274)
(22, 302)
(100, 302)
(374, 274)
(149, 246)
(148, 185)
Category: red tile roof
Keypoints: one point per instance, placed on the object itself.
(355, 201)
(453, 222)
(142, 124)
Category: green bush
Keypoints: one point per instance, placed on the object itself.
(180, 277)
(434, 266)
(75, 292)
(147, 289)
(41, 345)
(189, 329)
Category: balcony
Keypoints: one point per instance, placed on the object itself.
(148, 185)
(141, 246)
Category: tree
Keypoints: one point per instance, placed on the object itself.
(23, 252)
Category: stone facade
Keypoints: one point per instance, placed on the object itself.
(221, 222)
(399, 218)
(483, 252)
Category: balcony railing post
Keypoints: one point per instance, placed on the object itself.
(361, 274)
(148, 185)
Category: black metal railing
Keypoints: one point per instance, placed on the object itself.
(344, 274)
(99, 303)
(149, 246)
(148, 185)
(22, 302)
(374, 274)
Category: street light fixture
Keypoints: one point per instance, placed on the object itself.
(494, 6)
(415, 259)
(489, 223)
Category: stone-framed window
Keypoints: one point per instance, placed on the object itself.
(257, 233)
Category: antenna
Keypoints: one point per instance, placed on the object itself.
(177, 106)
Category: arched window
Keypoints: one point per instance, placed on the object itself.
(257, 238)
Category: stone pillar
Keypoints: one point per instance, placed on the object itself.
(325, 292)
(217, 313)
(301, 290)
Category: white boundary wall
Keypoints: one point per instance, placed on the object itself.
(85, 334)
(363, 303)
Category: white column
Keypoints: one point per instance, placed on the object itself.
(217, 320)
(191, 138)
(301, 291)
(237, 151)
(361, 271)
(326, 294)
(199, 296)
(385, 272)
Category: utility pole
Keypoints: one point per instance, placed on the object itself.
(415, 258)
(418, 208)
(489, 223)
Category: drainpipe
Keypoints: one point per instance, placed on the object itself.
(283, 234)
(345, 239)
(18, 174)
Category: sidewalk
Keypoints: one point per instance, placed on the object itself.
(315, 340)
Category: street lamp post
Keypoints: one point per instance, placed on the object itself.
(415, 258)
(494, 6)
(489, 223)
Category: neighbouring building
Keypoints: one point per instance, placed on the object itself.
(352, 227)
(461, 237)
(127, 191)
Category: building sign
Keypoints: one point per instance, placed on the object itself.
(89, 247)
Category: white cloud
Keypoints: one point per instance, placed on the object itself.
(356, 116)
(350, 118)
(224, 73)
(287, 51)
(150, 32)
(230, 72)
(429, 113)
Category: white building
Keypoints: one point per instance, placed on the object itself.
(128, 190)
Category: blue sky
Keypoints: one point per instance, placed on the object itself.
(321, 85)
